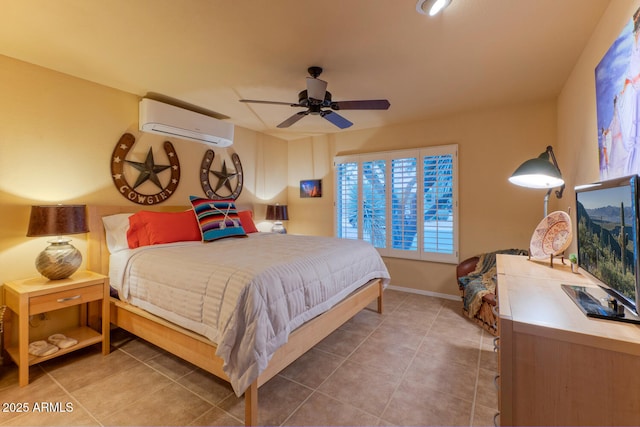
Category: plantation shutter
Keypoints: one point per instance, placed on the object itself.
(438, 204)
(347, 200)
(404, 206)
(374, 203)
(403, 202)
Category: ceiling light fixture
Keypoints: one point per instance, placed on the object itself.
(431, 7)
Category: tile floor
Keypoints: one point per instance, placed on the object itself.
(420, 363)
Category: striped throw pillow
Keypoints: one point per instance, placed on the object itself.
(217, 218)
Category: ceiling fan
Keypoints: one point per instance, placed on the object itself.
(317, 101)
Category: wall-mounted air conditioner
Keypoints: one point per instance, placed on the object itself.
(165, 119)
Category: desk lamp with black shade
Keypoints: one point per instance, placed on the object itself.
(540, 172)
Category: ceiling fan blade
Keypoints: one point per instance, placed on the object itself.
(336, 119)
(371, 104)
(291, 120)
(316, 88)
(270, 102)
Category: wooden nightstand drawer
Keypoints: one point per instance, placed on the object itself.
(62, 299)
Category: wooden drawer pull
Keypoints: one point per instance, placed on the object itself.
(68, 298)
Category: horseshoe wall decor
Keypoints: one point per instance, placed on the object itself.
(148, 172)
(229, 185)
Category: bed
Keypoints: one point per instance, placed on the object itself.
(270, 337)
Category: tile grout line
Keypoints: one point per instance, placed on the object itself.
(475, 388)
(175, 381)
(317, 388)
(68, 393)
(415, 355)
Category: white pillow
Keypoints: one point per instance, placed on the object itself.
(115, 227)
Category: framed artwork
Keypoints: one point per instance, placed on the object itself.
(311, 188)
(617, 99)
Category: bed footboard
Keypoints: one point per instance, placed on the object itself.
(178, 341)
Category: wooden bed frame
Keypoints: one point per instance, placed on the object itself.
(197, 349)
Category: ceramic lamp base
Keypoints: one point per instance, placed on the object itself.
(278, 228)
(59, 260)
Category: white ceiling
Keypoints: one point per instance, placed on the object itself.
(211, 53)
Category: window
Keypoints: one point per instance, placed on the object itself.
(403, 202)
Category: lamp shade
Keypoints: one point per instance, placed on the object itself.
(537, 173)
(277, 213)
(57, 220)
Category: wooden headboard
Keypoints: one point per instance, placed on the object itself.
(97, 251)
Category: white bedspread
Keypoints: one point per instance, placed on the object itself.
(245, 294)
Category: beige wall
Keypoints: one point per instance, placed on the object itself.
(57, 134)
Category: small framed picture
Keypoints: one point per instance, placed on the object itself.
(311, 188)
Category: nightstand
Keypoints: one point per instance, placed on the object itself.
(33, 296)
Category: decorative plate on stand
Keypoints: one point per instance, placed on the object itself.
(552, 236)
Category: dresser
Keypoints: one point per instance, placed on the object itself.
(556, 366)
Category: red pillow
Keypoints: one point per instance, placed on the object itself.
(168, 227)
(153, 228)
(137, 233)
(246, 219)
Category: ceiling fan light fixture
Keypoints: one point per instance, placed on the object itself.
(316, 97)
(431, 7)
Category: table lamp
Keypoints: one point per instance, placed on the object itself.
(60, 259)
(277, 213)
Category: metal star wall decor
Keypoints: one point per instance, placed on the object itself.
(224, 177)
(229, 183)
(148, 172)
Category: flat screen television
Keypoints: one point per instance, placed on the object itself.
(607, 241)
